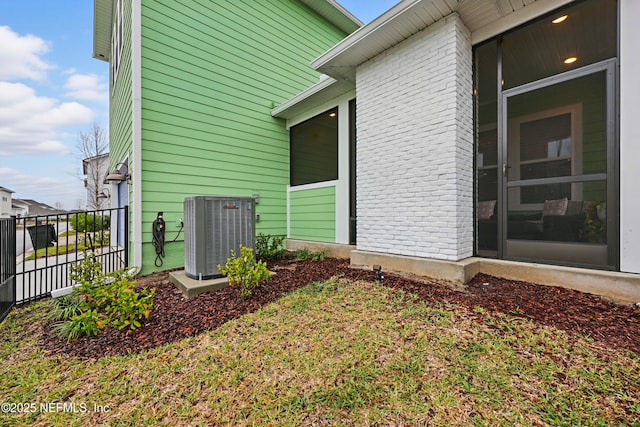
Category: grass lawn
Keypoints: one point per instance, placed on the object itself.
(332, 353)
(53, 250)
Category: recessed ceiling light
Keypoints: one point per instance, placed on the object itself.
(570, 60)
(332, 114)
(560, 19)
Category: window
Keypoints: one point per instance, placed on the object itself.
(116, 43)
(546, 149)
(314, 149)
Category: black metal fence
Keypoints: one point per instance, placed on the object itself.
(7, 265)
(46, 247)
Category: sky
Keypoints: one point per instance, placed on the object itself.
(51, 90)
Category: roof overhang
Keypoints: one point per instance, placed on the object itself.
(327, 89)
(484, 18)
(102, 12)
(333, 12)
(103, 9)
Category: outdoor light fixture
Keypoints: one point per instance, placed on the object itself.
(104, 194)
(332, 114)
(116, 176)
(570, 60)
(560, 19)
(378, 269)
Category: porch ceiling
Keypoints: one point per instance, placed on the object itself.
(484, 18)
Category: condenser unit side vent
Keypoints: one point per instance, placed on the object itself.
(215, 225)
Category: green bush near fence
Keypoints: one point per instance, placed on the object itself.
(82, 222)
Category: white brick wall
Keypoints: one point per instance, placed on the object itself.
(415, 146)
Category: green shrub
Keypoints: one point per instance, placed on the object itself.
(87, 270)
(319, 256)
(99, 300)
(270, 247)
(303, 254)
(82, 222)
(128, 307)
(65, 307)
(86, 323)
(244, 271)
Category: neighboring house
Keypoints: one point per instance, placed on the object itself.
(95, 169)
(35, 208)
(192, 85)
(5, 202)
(19, 208)
(497, 129)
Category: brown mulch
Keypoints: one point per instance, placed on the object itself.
(173, 317)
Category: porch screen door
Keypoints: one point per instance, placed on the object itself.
(557, 161)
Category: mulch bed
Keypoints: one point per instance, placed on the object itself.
(173, 317)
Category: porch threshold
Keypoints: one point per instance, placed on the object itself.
(620, 287)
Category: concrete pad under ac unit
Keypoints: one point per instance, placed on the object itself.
(192, 287)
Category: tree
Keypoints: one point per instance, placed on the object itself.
(93, 146)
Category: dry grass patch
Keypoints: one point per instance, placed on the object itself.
(333, 353)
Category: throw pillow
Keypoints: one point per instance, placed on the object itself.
(485, 209)
(555, 207)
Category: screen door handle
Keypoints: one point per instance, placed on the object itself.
(505, 167)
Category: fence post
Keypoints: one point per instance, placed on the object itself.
(7, 265)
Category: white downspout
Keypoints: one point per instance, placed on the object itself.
(136, 113)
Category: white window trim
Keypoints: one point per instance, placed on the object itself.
(117, 35)
(513, 152)
(342, 220)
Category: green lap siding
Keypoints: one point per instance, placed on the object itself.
(313, 214)
(211, 73)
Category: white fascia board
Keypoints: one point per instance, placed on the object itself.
(313, 109)
(405, 19)
(346, 13)
(318, 94)
(302, 96)
(336, 14)
(342, 53)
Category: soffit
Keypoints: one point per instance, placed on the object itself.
(318, 94)
(102, 10)
(484, 18)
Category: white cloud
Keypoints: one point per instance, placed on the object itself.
(86, 87)
(30, 124)
(50, 190)
(19, 56)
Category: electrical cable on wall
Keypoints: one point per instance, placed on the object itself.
(159, 227)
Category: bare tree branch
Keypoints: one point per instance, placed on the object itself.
(93, 146)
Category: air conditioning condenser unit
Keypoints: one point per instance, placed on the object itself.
(213, 226)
